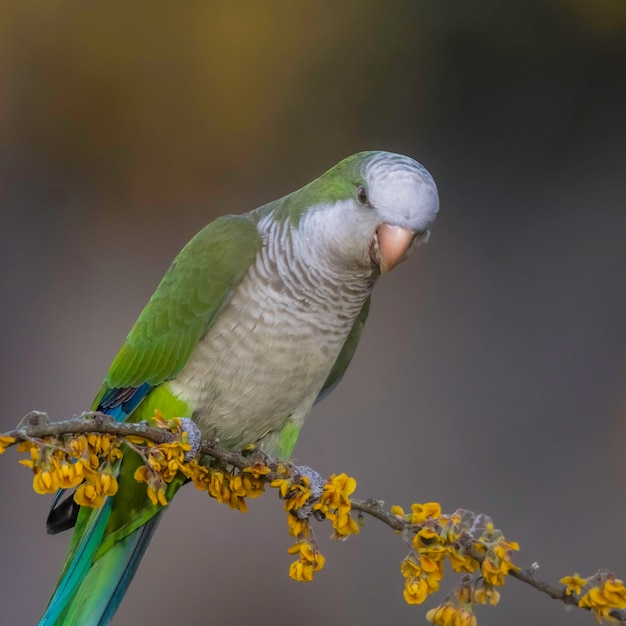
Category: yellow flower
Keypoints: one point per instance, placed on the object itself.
(422, 512)
(462, 562)
(573, 584)
(335, 504)
(101, 444)
(157, 495)
(310, 561)
(106, 483)
(465, 617)
(25, 446)
(257, 470)
(282, 484)
(497, 562)
(199, 474)
(254, 485)
(141, 474)
(5, 442)
(245, 485)
(93, 491)
(298, 495)
(166, 459)
(343, 525)
(415, 590)
(68, 475)
(217, 487)
(35, 453)
(88, 495)
(87, 449)
(493, 572)
(398, 511)
(431, 566)
(43, 482)
(236, 486)
(462, 594)
(426, 539)
(447, 615)
(156, 486)
(226, 488)
(602, 599)
(486, 593)
(136, 439)
(337, 492)
(421, 579)
(432, 576)
(114, 454)
(77, 445)
(442, 615)
(297, 526)
(409, 568)
(615, 593)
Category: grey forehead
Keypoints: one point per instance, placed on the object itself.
(384, 165)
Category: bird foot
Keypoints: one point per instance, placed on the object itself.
(194, 437)
(316, 485)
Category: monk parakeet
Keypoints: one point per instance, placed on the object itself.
(257, 318)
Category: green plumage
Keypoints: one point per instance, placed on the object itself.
(198, 284)
(257, 318)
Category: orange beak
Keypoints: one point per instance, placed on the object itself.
(390, 246)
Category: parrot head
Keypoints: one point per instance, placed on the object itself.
(370, 211)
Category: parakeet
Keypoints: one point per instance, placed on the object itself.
(256, 319)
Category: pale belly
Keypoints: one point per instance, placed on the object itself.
(263, 363)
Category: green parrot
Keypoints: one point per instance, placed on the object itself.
(256, 319)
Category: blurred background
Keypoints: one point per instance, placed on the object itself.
(492, 373)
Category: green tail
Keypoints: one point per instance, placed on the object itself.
(108, 542)
(91, 591)
(106, 549)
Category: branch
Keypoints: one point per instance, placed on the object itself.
(36, 427)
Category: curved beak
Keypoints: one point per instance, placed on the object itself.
(390, 246)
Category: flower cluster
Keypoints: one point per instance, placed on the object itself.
(448, 615)
(161, 462)
(229, 486)
(497, 553)
(458, 606)
(605, 594)
(297, 495)
(89, 463)
(470, 543)
(310, 560)
(333, 504)
(164, 461)
(84, 461)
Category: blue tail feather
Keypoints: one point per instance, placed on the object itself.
(90, 592)
(76, 568)
(141, 538)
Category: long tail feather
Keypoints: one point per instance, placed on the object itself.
(77, 564)
(90, 592)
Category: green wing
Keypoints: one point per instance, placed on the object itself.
(346, 354)
(197, 286)
(108, 542)
(199, 283)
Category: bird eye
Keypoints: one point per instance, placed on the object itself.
(361, 195)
